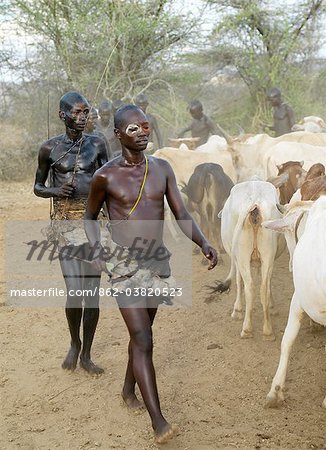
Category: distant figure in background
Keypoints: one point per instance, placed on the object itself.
(142, 102)
(116, 104)
(201, 126)
(283, 115)
(105, 126)
(91, 128)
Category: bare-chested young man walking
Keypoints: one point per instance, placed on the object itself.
(70, 160)
(118, 184)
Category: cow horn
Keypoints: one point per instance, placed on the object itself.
(301, 163)
(279, 180)
(226, 136)
(281, 208)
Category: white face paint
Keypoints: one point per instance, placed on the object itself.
(133, 129)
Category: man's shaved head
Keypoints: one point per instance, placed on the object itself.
(120, 115)
(195, 104)
(141, 99)
(105, 106)
(274, 92)
(68, 100)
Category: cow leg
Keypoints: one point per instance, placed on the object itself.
(237, 308)
(275, 395)
(265, 291)
(245, 273)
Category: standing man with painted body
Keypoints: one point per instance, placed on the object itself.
(133, 187)
(69, 161)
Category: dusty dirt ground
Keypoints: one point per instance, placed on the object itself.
(215, 396)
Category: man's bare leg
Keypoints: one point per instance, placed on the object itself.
(128, 390)
(139, 324)
(91, 282)
(74, 316)
(90, 320)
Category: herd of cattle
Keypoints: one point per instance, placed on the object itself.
(242, 190)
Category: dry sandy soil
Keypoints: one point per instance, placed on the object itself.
(215, 395)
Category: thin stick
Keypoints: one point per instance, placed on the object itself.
(66, 389)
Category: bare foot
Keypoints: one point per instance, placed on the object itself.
(133, 404)
(88, 365)
(70, 361)
(165, 434)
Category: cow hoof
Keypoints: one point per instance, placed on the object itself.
(246, 334)
(269, 337)
(274, 399)
(237, 315)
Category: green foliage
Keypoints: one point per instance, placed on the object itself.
(268, 45)
(106, 46)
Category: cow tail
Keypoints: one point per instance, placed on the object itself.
(255, 219)
(226, 285)
(223, 286)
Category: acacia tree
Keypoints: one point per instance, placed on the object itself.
(264, 42)
(269, 45)
(107, 45)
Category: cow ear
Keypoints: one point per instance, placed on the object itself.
(278, 225)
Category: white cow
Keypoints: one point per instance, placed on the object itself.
(184, 162)
(246, 241)
(309, 275)
(292, 151)
(313, 124)
(251, 158)
(214, 144)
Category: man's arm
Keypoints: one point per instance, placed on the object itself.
(96, 198)
(185, 130)
(42, 172)
(185, 221)
(212, 127)
(291, 118)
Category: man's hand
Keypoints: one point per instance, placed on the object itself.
(66, 190)
(211, 254)
(100, 259)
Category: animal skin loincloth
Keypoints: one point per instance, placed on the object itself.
(67, 223)
(129, 270)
